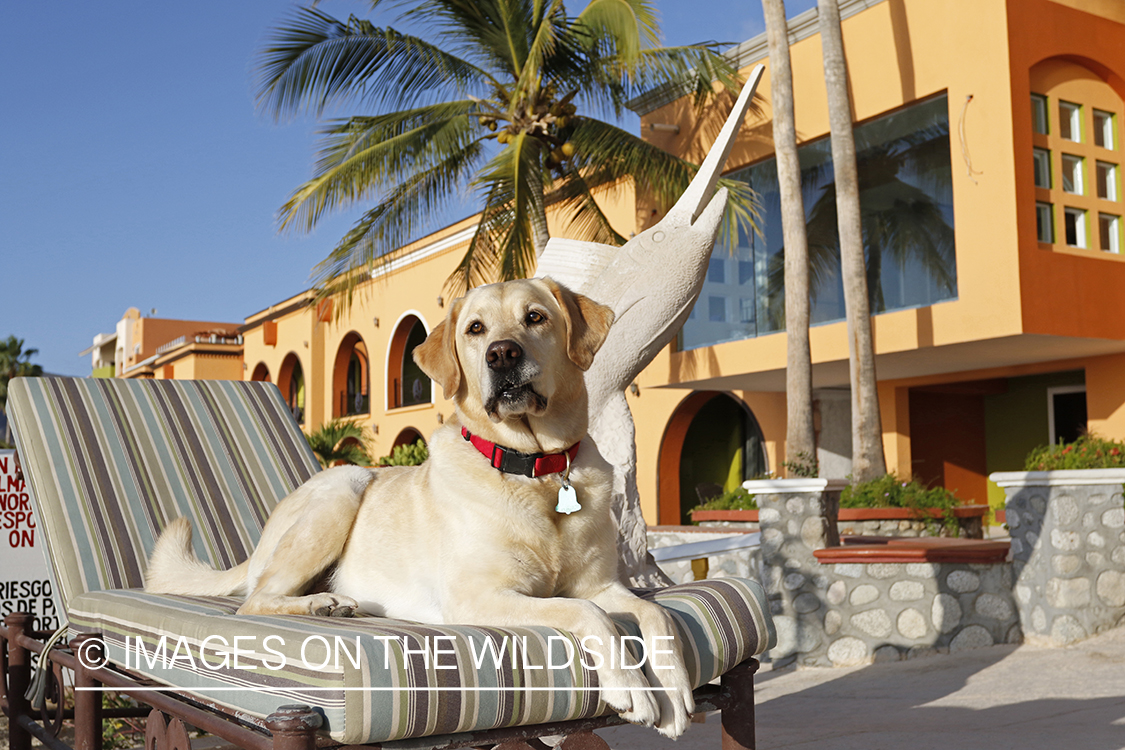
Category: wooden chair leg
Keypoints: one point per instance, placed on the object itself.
(19, 677)
(89, 653)
(738, 717)
(294, 727)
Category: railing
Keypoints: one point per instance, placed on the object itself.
(212, 338)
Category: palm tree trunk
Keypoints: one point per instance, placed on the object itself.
(539, 232)
(868, 461)
(800, 437)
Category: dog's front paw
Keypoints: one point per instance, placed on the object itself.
(332, 605)
(676, 707)
(628, 693)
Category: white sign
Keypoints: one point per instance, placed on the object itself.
(25, 584)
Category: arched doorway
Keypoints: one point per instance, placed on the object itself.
(261, 373)
(407, 385)
(291, 383)
(408, 436)
(351, 378)
(712, 444)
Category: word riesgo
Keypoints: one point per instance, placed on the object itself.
(217, 652)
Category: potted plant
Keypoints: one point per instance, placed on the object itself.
(736, 506)
(907, 508)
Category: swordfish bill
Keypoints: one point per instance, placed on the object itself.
(652, 281)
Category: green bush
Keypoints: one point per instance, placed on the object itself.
(406, 455)
(888, 491)
(736, 499)
(1087, 452)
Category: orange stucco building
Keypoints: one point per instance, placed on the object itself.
(990, 152)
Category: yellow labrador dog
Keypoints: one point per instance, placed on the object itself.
(478, 534)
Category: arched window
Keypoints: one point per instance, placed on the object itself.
(406, 383)
(261, 373)
(351, 378)
(712, 444)
(291, 383)
(408, 436)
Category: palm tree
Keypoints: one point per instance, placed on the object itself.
(868, 461)
(15, 362)
(800, 436)
(339, 442)
(504, 100)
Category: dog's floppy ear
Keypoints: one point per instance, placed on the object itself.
(437, 355)
(587, 323)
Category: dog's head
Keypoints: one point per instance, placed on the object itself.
(513, 349)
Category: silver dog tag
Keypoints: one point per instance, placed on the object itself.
(568, 500)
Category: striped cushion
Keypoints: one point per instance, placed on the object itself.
(384, 695)
(110, 462)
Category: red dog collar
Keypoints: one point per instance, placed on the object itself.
(512, 461)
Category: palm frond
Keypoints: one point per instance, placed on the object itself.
(316, 60)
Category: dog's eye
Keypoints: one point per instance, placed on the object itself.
(475, 329)
(534, 318)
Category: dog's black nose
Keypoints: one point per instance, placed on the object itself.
(503, 355)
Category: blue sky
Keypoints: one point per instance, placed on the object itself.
(135, 171)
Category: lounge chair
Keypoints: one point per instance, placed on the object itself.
(111, 462)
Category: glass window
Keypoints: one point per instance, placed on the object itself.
(1107, 181)
(1039, 113)
(1103, 129)
(1042, 168)
(716, 271)
(1070, 121)
(746, 310)
(1043, 223)
(1108, 233)
(718, 309)
(1072, 174)
(906, 203)
(1074, 223)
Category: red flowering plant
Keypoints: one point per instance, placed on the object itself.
(1087, 452)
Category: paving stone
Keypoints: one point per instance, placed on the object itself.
(863, 594)
(921, 652)
(1013, 519)
(771, 541)
(1065, 541)
(1017, 547)
(1039, 620)
(922, 570)
(1114, 518)
(874, 622)
(1023, 593)
(786, 627)
(847, 652)
(769, 515)
(1095, 559)
(1065, 565)
(963, 581)
(1038, 503)
(1094, 539)
(837, 592)
(806, 603)
(1118, 555)
(1066, 593)
(1015, 634)
(1089, 521)
(885, 654)
(812, 531)
(1066, 510)
(911, 623)
(974, 636)
(991, 605)
(849, 570)
(1032, 539)
(793, 581)
(832, 621)
(945, 613)
(884, 570)
(1066, 630)
(794, 505)
(1111, 588)
(792, 528)
(906, 591)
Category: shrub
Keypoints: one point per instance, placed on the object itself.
(736, 499)
(1087, 452)
(888, 491)
(406, 455)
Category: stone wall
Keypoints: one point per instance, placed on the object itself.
(743, 563)
(1068, 551)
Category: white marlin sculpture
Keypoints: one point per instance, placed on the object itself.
(651, 282)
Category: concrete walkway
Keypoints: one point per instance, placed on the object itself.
(992, 699)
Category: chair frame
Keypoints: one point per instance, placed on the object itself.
(289, 728)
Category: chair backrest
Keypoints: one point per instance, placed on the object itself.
(110, 462)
